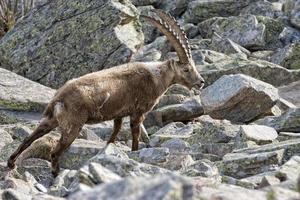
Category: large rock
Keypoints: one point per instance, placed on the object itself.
(151, 155)
(241, 165)
(289, 121)
(290, 147)
(272, 32)
(291, 93)
(199, 10)
(290, 169)
(238, 98)
(228, 192)
(295, 15)
(263, 8)
(174, 130)
(257, 133)
(227, 46)
(64, 39)
(208, 130)
(287, 57)
(79, 152)
(259, 69)
(157, 187)
(244, 30)
(19, 93)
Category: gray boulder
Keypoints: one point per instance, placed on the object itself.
(259, 69)
(289, 121)
(289, 35)
(174, 130)
(153, 156)
(203, 168)
(241, 165)
(289, 147)
(295, 15)
(238, 98)
(263, 8)
(291, 93)
(199, 10)
(169, 186)
(287, 57)
(61, 40)
(227, 46)
(185, 111)
(19, 93)
(244, 30)
(126, 167)
(228, 192)
(208, 130)
(273, 30)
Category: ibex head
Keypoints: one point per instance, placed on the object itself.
(185, 70)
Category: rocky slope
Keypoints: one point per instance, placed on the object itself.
(238, 139)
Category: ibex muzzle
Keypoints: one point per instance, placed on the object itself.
(131, 89)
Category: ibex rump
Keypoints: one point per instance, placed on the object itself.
(127, 90)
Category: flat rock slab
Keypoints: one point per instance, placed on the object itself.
(259, 134)
(19, 93)
(290, 147)
(238, 98)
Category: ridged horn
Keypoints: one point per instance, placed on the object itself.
(168, 28)
(177, 28)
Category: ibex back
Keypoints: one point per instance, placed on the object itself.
(131, 89)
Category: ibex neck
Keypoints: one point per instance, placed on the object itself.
(163, 74)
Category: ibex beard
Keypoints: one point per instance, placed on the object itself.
(131, 90)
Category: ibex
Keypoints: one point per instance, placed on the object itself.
(130, 89)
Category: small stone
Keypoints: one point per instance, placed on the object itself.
(101, 174)
(268, 181)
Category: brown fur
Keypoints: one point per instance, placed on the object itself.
(131, 89)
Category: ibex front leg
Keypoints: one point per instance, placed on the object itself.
(117, 127)
(135, 125)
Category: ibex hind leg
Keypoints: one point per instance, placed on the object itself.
(66, 139)
(44, 127)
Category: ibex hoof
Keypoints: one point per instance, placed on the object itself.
(11, 163)
(55, 173)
